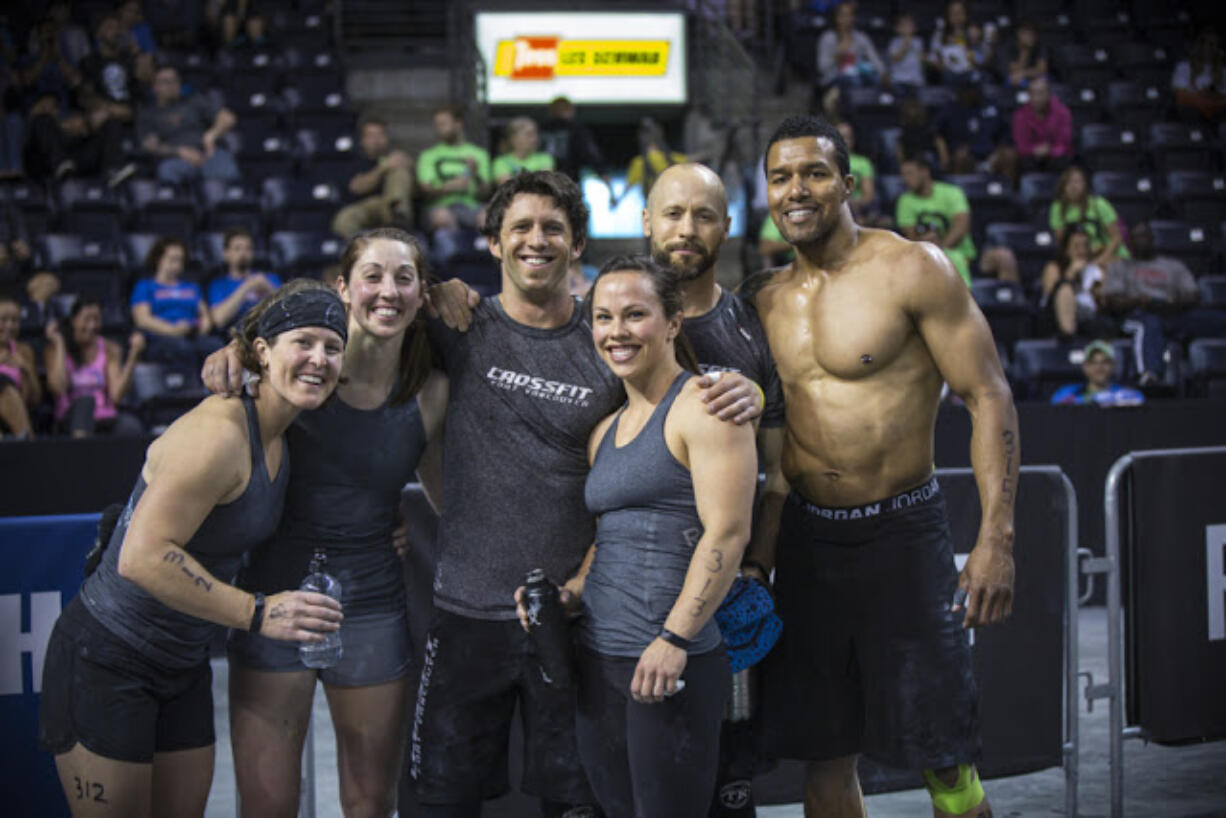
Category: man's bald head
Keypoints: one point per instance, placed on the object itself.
(686, 219)
(689, 179)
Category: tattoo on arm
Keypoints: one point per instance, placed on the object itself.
(177, 558)
(700, 605)
(1006, 484)
(87, 790)
(277, 612)
(716, 562)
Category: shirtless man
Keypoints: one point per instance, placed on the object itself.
(865, 326)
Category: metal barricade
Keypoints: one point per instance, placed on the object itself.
(1071, 744)
(1110, 566)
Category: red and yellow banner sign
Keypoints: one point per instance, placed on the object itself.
(544, 57)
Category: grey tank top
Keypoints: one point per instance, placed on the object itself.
(172, 638)
(349, 468)
(645, 537)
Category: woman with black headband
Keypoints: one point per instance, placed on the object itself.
(127, 688)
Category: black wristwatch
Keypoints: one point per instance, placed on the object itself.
(674, 640)
(257, 616)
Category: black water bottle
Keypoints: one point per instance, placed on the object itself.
(547, 628)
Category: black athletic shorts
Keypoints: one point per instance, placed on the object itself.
(871, 659)
(474, 671)
(103, 693)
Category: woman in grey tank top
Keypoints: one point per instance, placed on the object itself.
(673, 487)
(352, 458)
(127, 700)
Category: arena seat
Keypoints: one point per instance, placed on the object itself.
(1033, 246)
(58, 251)
(135, 249)
(30, 198)
(1111, 147)
(301, 253)
(89, 207)
(1212, 291)
(1040, 365)
(1207, 367)
(1134, 195)
(1083, 64)
(263, 157)
(159, 393)
(1131, 101)
(228, 204)
(1198, 196)
(1037, 190)
(1176, 146)
(1144, 63)
(1191, 244)
(1005, 306)
(299, 204)
(991, 201)
(873, 109)
(157, 207)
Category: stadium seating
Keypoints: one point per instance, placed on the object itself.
(157, 207)
(1197, 196)
(1207, 367)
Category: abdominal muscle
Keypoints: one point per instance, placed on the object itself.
(853, 442)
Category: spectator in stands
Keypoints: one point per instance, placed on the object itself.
(1043, 130)
(132, 20)
(520, 151)
(386, 186)
(846, 57)
(19, 387)
(254, 33)
(172, 312)
(45, 69)
(183, 134)
(959, 47)
(15, 255)
(1099, 389)
(865, 205)
(975, 134)
(75, 145)
(1199, 82)
(1071, 290)
(238, 289)
(939, 212)
(114, 75)
(1077, 204)
(89, 375)
(906, 54)
(1024, 59)
(224, 20)
(918, 136)
(1157, 297)
(41, 289)
(12, 124)
(71, 39)
(454, 176)
(571, 143)
(653, 158)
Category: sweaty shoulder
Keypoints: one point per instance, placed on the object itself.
(756, 282)
(213, 436)
(917, 271)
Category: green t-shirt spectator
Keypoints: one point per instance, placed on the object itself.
(509, 164)
(861, 168)
(442, 163)
(936, 212)
(770, 232)
(1098, 216)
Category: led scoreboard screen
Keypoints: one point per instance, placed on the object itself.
(601, 58)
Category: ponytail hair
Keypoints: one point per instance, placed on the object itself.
(667, 288)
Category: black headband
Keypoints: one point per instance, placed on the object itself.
(306, 308)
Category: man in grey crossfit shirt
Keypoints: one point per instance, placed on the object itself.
(527, 388)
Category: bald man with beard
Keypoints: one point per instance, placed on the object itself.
(686, 221)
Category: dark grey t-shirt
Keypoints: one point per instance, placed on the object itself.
(730, 338)
(523, 403)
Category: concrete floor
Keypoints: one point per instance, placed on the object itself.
(1160, 782)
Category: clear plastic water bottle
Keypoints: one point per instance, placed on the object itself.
(327, 653)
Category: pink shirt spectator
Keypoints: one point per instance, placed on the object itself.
(87, 380)
(1054, 129)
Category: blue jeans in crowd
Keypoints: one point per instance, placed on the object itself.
(220, 165)
(1150, 331)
